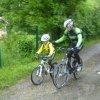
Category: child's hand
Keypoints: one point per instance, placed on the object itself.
(36, 55)
(48, 56)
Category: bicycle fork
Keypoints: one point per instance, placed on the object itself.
(39, 72)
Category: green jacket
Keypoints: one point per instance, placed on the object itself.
(74, 34)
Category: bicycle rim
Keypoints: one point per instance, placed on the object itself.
(36, 78)
(60, 76)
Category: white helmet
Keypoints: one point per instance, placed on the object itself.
(68, 23)
(45, 37)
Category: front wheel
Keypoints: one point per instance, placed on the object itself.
(61, 75)
(77, 73)
(37, 75)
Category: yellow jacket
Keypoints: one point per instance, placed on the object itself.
(48, 47)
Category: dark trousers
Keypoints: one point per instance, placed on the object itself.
(75, 52)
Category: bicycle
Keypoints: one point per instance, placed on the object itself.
(65, 68)
(38, 73)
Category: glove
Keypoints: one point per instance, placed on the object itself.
(49, 56)
(36, 55)
(70, 49)
(75, 49)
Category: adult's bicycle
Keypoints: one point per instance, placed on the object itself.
(38, 73)
(66, 67)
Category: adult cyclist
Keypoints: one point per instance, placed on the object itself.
(75, 35)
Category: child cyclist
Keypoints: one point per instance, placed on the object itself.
(47, 47)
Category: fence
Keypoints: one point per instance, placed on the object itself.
(0, 59)
(34, 31)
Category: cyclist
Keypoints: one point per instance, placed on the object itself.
(47, 47)
(75, 35)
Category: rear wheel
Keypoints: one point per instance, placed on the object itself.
(77, 73)
(37, 75)
(60, 75)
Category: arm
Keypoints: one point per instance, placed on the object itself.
(61, 39)
(40, 50)
(79, 36)
(51, 49)
(79, 40)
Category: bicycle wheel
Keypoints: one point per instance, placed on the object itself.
(61, 75)
(77, 73)
(36, 77)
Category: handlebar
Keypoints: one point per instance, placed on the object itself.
(65, 49)
(62, 49)
(43, 57)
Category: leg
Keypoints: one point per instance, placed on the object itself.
(69, 58)
(77, 55)
(50, 59)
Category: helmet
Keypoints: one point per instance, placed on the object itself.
(68, 23)
(45, 37)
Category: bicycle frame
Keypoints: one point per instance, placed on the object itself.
(38, 73)
(42, 65)
(64, 68)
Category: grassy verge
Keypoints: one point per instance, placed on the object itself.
(91, 42)
(9, 75)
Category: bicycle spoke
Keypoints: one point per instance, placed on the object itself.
(60, 76)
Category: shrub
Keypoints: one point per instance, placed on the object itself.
(18, 46)
(87, 17)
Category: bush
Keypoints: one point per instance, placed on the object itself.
(18, 47)
(25, 46)
(87, 17)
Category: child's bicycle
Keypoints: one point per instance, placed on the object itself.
(65, 68)
(38, 73)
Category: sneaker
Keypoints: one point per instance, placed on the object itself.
(79, 67)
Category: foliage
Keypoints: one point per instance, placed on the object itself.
(48, 15)
(87, 17)
(18, 48)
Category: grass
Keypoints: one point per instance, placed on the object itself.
(92, 42)
(9, 75)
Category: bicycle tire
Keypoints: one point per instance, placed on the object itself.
(61, 75)
(76, 73)
(35, 78)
